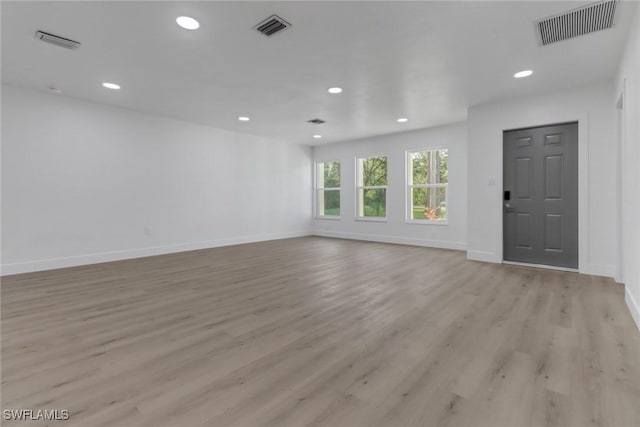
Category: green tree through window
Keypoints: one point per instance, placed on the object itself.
(328, 189)
(428, 181)
(372, 187)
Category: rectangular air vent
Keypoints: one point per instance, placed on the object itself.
(587, 19)
(272, 26)
(57, 40)
(317, 121)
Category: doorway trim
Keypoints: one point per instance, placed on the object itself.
(621, 143)
(584, 266)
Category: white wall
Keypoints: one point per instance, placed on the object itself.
(593, 107)
(81, 181)
(396, 229)
(628, 83)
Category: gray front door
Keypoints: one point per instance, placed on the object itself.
(540, 199)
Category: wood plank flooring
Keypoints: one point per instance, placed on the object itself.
(319, 332)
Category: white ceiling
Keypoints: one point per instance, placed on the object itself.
(427, 61)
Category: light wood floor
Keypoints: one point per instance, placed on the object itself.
(319, 332)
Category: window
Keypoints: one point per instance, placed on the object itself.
(372, 187)
(327, 189)
(428, 178)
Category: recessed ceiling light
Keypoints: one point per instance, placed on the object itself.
(243, 119)
(188, 23)
(521, 74)
(317, 136)
(111, 85)
(335, 89)
(402, 120)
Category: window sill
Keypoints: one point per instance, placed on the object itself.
(426, 222)
(328, 217)
(371, 219)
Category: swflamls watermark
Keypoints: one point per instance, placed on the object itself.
(35, 414)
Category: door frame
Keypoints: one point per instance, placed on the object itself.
(621, 131)
(583, 189)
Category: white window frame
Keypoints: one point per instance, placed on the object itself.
(319, 187)
(410, 186)
(359, 186)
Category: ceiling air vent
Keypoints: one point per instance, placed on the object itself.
(272, 26)
(317, 121)
(577, 22)
(57, 40)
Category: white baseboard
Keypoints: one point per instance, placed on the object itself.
(599, 270)
(634, 308)
(482, 256)
(74, 261)
(441, 244)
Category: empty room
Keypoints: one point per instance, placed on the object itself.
(320, 213)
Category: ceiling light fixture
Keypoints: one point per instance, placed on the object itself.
(111, 86)
(521, 74)
(187, 23)
(317, 136)
(243, 118)
(402, 120)
(335, 90)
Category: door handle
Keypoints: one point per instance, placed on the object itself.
(509, 208)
